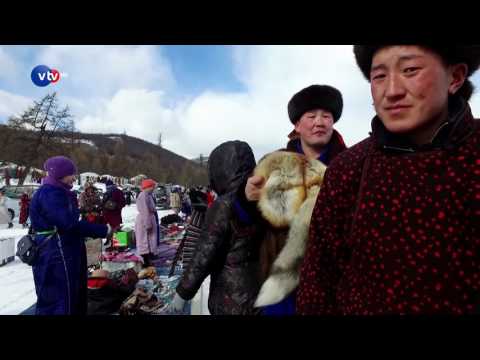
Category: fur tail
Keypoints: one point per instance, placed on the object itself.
(285, 273)
(276, 288)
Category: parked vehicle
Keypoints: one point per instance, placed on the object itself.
(16, 191)
(161, 197)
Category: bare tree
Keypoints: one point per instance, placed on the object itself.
(49, 125)
(160, 139)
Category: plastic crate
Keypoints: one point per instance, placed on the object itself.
(121, 239)
(7, 250)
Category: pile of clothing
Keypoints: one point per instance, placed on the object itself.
(143, 300)
(148, 273)
(129, 292)
(170, 219)
(107, 291)
(167, 292)
(165, 253)
(174, 231)
(121, 256)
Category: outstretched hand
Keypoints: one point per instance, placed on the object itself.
(253, 188)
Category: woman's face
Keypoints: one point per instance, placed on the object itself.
(68, 180)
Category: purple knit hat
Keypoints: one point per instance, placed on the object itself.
(59, 166)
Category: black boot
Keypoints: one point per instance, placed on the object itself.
(146, 260)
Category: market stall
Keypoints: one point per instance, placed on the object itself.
(118, 283)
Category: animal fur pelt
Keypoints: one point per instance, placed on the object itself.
(287, 200)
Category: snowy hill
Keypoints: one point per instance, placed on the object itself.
(118, 155)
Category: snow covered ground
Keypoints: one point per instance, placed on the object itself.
(17, 290)
(88, 142)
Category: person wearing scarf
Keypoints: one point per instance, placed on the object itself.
(60, 272)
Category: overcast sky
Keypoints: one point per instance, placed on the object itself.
(197, 96)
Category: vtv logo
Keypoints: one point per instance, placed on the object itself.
(42, 75)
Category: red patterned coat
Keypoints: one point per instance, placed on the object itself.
(396, 228)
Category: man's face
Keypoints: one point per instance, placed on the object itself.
(315, 127)
(410, 87)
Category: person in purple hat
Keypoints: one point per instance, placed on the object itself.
(60, 272)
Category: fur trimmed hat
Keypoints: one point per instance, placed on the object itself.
(451, 54)
(315, 97)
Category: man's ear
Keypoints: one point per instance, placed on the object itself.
(297, 125)
(458, 74)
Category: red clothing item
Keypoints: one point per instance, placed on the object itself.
(24, 207)
(210, 199)
(400, 232)
(114, 217)
(98, 283)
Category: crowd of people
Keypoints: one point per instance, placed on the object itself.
(7, 214)
(390, 226)
(387, 226)
(61, 222)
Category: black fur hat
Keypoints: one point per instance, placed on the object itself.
(315, 97)
(451, 54)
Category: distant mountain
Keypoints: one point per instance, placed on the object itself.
(116, 154)
(203, 160)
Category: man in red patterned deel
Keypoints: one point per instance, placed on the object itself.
(396, 226)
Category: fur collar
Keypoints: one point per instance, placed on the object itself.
(450, 135)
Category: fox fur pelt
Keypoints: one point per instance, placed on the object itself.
(287, 200)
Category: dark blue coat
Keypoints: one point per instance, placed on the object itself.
(60, 274)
